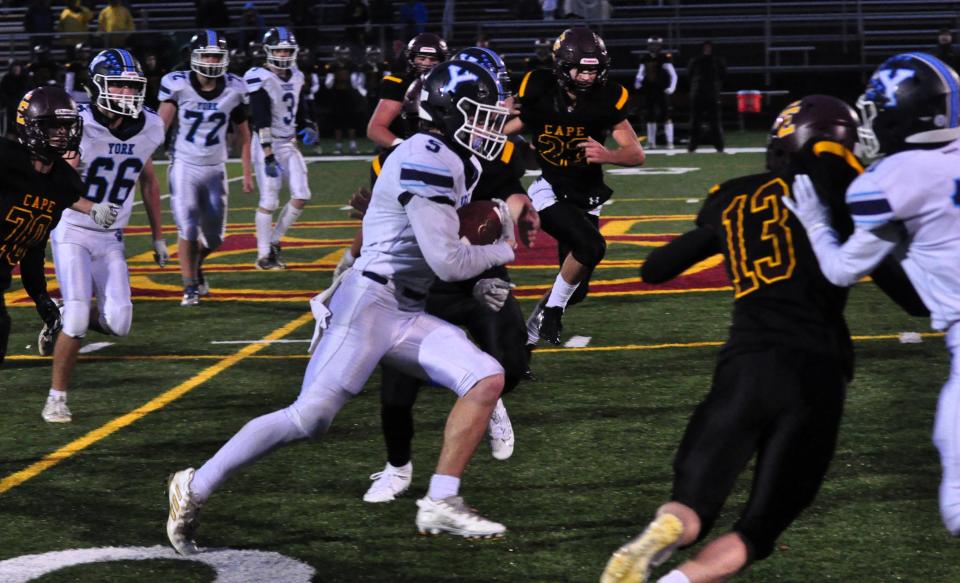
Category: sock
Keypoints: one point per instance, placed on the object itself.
(288, 216)
(674, 576)
(397, 424)
(406, 468)
(264, 222)
(668, 130)
(561, 292)
(254, 440)
(652, 134)
(58, 394)
(339, 146)
(442, 486)
(353, 144)
(189, 281)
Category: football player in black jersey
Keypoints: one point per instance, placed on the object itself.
(570, 111)
(542, 58)
(342, 78)
(656, 81)
(483, 305)
(779, 385)
(38, 185)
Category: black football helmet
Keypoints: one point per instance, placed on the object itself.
(489, 60)
(373, 54)
(342, 53)
(207, 43)
(48, 123)
(110, 70)
(280, 39)
(580, 48)
(425, 44)
(462, 100)
(819, 117)
(911, 100)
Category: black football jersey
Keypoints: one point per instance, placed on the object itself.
(341, 72)
(558, 126)
(781, 296)
(503, 173)
(654, 75)
(406, 90)
(31, 204)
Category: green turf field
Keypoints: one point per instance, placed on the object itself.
(596, 433)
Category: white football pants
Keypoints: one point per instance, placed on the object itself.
(946, 436)
(198, 201)
(294, 172)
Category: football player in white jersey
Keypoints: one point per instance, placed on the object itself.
(275, 109)
(119, 138)
(203, 100)
(410, 238)
(907, 204)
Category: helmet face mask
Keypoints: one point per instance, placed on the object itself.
(463, 100)
(118, 83)
(204, 45)
(48, 124)
(280, 48)
(425, 51)
(578, 50)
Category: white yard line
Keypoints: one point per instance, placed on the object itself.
(282, 341)
(95, 346)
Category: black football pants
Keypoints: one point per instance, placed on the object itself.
(576, 232)
(502, 335)
(4, 328)
(782, 404)
(705, 108)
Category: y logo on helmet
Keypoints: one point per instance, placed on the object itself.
(886, 82)
(457, 76)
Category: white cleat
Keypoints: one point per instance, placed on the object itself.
(56, 411)
(501, 432)
(533, 322)
(389, 483)
(632, 562)
(184, 517)
(454, 516)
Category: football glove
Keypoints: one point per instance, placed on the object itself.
(49, 312)
(359, 202)
(506, 223)
(309, 134)
(160, 253)
(104, 214)
(346, 261)
(492, 292)
(806, 205)
(272, 167)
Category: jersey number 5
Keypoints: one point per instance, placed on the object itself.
(769, 260)
(98, 187)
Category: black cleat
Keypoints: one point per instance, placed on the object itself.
(550, 325)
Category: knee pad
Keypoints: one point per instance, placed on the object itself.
(314, 413)
(76, 318)
(268, 205)
(117, 319)
(591, 251)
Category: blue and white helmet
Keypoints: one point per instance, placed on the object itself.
(912, 98)
(280, 39)
(111, 70)
(209, 43)
(490, 61)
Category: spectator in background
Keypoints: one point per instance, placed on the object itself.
(413, 15)
(398, 64)
(356, 17)
(706, 80)
(253, 27)
(483, 41)
(74, 25)
(542, 58)
(212, 14)
(549, 8)
(38, 20)
(12, 88)
(154, 72)
(42, 69)
(944, 50)
(76, 74)
(114, 20)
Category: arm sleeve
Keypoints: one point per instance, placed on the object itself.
(260, 109)
(392, 88)
(328, 81)
(168, 90)
(31, 271)
(668, 67)
(305, 113)
(667, 262)
(436, 227)
(893, 281)
(844, 265)
(239, 114)
(638, 82)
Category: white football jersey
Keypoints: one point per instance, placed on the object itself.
(421, 166)
(920, 190)
(202, 119)
(110, 164)
(284, 98)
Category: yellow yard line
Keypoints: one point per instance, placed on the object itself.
(157, 403)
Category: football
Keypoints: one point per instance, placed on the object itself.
(480, 222)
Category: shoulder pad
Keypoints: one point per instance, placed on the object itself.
(618, 95)
(534, 82)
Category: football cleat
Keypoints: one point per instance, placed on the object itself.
(191, 297)
(268, 263)
(533, 322)
(550, 325)
(501, 432)
(47, 339)
(184, 517)
(203, 285)
(632, 562)
(56, 411)
(454, 516)
(275, 253)
(389, 483)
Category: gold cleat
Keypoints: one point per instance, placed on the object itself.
(632, 562)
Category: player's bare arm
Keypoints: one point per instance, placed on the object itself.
(629, 152)
(167, 112)
(150, 193)
(243, 131)
(378, 129)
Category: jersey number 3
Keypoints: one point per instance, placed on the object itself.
(99, 187)
(770, 259)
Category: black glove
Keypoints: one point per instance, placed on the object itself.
(49, 311)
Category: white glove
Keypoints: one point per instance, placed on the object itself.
(346, 261)
(104, 214)
(492, 292)
(807, 206)
(160, 254)
(506, 223)
(668, 91)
